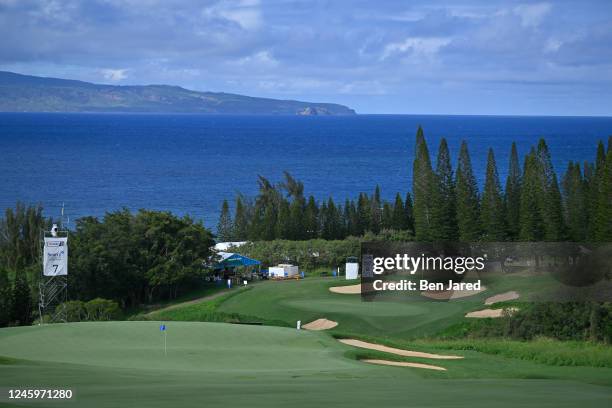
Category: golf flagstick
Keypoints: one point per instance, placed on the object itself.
(162, 327)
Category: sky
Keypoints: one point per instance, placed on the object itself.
(413, 57)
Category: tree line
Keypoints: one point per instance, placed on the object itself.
(127, 258)
(448, 204)
(281, 211)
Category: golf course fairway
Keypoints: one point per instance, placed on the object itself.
(116, 364)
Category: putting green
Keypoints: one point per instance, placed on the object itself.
(311, 299)
(118, 364)
(190, 346)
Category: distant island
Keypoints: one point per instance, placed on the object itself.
(25, 93)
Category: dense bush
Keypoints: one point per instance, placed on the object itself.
(95, 310)
(136, 258)
(307, 254)
(562, 321)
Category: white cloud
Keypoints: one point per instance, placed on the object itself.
(415, 45)
(245, 13)
(531, 15)
(261, 58)
(114, 75)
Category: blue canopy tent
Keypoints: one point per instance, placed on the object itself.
(232, 260)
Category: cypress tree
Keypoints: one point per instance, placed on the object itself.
(574, 199)
(283, 222)
(399, 215)
(387, 216)
(492, 217)
(423, 180)
(512, 197)
(467, 198)
(347, 219)
(268, 225)
(549, 195)
(311, 214)
(331, 228)
(444, 220)
(225, 225)
(296, 219)
(594, 190)
(531, 224)
(409, 213)
(21, 300)
(375, 211)
(603, 213)
(357, 229)
(241, 221)
(363, 214)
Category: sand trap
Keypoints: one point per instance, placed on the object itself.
(481, 314)
(502, 297)
(404, 364)
(347, 290)
(393, 350)
(452, 294)
(320, 324)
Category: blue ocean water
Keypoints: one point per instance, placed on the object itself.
(189, 163)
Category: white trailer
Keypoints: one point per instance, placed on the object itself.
(283, 271)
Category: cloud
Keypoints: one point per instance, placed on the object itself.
(114, 75)
(245, 13)
(532, 14)
(316, 49)
(415, 45)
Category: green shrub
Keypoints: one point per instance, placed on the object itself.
(75, 311)
(102, 309)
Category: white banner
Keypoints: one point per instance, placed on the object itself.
(55, 257)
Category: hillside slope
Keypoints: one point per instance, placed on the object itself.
(24, 93)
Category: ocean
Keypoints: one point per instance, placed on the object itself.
(187, 164)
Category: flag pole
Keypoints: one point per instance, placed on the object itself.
(165, 352)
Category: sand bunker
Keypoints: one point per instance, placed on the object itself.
(404, 364)
(452, 294)
(320, 324)
(347, 290)
(481, 314)
(393, 350)
(502, 297)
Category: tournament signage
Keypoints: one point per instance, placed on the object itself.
(55, 256)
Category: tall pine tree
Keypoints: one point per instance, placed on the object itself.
(530, 222)
(512, 196)
(311, 213)
(468, 214)
(492, 217)
(603, 212)
(444, 220)
(409, 212)
(574, 199)
(241, 221)
(549, 200)
(423, 181)
(225, 225)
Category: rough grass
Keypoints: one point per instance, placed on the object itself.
(207, 311)
(541, 350)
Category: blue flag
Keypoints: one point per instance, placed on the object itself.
(162, 327)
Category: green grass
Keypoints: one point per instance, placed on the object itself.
(217, 364)
(541, 350)
(207, 311)
(210, 364)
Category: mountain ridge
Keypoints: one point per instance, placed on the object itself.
(28, 93)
